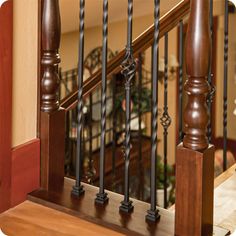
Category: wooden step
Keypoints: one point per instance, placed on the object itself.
(107, 216)
(30, 219)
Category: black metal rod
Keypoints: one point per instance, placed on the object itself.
(180, 109)
(210, 96)
(128, 70)
(140, 164)
(153, 213)
(225, 105)
(165, 121)
(140, 76)
(90, 126)
(102, 195)
(68, 156)
(78, 188)
(114, 123)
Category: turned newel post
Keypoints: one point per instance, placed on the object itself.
(52, 119)
(51, 33)
(195, 157)
(198, 51)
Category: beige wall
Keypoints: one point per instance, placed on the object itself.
(93, 38)
(25, 71)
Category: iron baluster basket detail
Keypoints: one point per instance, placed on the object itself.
(128, 70)
(165, 120)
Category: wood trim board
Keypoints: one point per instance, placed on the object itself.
(6, 39)
(25, 176)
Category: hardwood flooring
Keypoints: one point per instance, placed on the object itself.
(30, 219)
(224, 198)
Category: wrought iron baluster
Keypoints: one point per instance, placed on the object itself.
(114, 123)
(212, 91)
(78, 188)
(181, 46)
(140, 79)
(102, 195)
(153, 213)
(67, 154)
(90, 126)
(140, 76)
(128, 70)
(225, 95)
(165, 120)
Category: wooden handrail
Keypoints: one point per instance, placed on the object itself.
(140, 44)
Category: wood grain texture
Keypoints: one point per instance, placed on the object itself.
(198, 53)
(107, 216)
(52, 138)
(51, 33)
(194, 192)
(6, 28)
(224, 176)
(32, 219)
(225, 204)
(25, 170)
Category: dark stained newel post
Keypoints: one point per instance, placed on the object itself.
(51, 33)
(195, 157)
(52, 133)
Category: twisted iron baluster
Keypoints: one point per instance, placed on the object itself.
(180, 81)
(102, 196)
(140, 78)
(165, 120)
(225, 105)
(141, 175)
(114, 124)
(153, 213)
(128, 70)
(91, 169)
(212, 88)
(78, 188)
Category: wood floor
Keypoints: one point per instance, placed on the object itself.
(30, 219)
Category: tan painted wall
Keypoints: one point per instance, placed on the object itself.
(25, 70)
(93, 38)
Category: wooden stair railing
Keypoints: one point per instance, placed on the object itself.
(195, 174)
(52, 116)
(140, 44)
